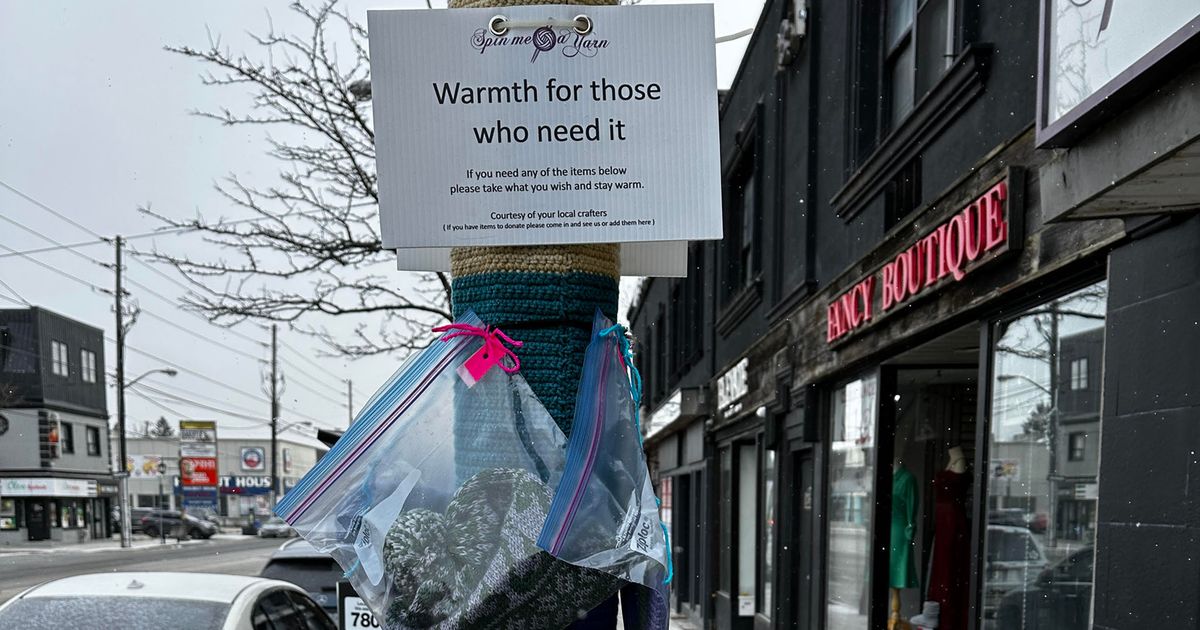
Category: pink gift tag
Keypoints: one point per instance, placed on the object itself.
(490, 355)
(484, 359)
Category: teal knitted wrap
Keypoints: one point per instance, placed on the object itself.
(552, 354)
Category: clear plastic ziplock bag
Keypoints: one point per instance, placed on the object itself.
(433, 500)
(605, 513)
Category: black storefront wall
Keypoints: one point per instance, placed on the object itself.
(1148, 539)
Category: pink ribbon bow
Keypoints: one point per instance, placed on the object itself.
(491, 354)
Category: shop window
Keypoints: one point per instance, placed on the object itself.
(93, 441)
(766, 588)
(87, 365)
(1079, 374)
(1041, 506)
(747, 532)
(67, 437)
(1077, 446)
(852, 495)
(60, 363)
(8, 514)
(146, 500)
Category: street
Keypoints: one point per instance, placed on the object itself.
(223, 554)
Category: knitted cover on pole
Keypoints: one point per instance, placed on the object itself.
(545, 296)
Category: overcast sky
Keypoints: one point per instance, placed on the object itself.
(94, 122)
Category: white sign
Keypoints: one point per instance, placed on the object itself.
(542, 135)
(1006, 469)
(48, 487)
(733, 384)
(666, 413)
(139, 466)
(196, 449)
(665, 259)
(745, 605)
(355, 614)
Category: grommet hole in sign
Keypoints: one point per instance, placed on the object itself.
(500, 25)
(582, 24)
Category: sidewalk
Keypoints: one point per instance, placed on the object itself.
(679, 622)
(93, 546)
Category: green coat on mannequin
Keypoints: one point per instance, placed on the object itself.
(902, 568)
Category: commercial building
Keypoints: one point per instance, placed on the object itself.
(947, 348)
(56, 483)
(243, 468)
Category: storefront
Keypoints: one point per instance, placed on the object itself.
(53, 508)
(675, 446)
(241, 496)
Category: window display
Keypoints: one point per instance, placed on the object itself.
(8, 514)
(1044, 444)
(933, 438)
(852, 493)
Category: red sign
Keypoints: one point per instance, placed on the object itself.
(949, 251)
(198, 471)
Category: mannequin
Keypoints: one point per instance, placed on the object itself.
(950, 564)
(902, 570)
(958, 461)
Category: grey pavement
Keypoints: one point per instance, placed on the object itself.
(238, 555)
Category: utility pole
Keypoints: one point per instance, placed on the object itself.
(275, 485)
(349, 402)
(122, 474)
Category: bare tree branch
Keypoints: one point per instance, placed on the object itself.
(316, 249)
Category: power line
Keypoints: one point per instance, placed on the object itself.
(156, 403)
(54, 248)
(49, 209)
(153, 292)
(197, 335)
(59, 271)
(14, 292)
(54, 212)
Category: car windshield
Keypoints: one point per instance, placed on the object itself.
(311, 574)
(127, 613)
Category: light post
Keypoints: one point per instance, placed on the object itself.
(162, 469)
(122, 474)
(276, 484)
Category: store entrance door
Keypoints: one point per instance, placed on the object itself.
(804, 568)
(37, 519)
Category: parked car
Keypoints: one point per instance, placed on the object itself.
(152, 601)
(1058, 599)
(135, 519)
(1014, 556)
(298, 562)
(169, 521)
(276, 527)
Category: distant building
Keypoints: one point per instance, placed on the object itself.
(243, 468)
(56, 479)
